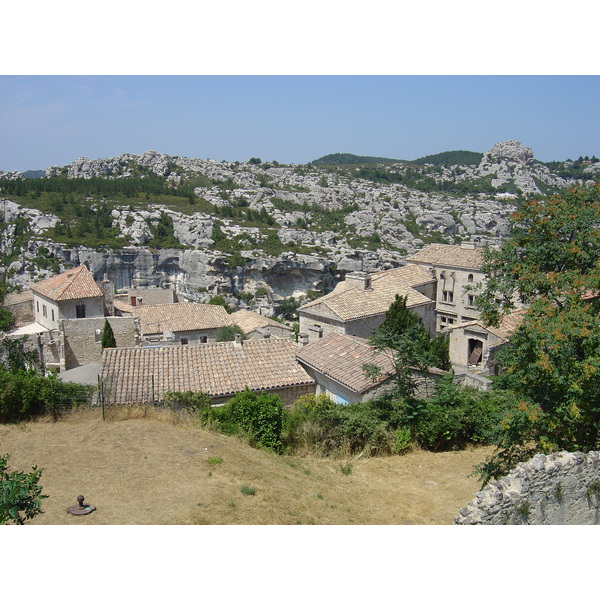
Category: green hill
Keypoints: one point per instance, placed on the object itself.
(452, 157)
(351, 159)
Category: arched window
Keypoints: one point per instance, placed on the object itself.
(470, 278)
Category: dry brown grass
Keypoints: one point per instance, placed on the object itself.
(146, 466)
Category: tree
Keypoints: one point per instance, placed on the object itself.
(20, 494)
(220, 301)
(228, 333)
(553, 252)
(403, 337)
(552, 262)
(288, 308)
(107, 339)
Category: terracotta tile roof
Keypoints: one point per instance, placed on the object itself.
(144, 374)
(448, 255)
(506, 326)
(342, 357)
(70, 285)
(355, 303)
(181, 316)
(249, 321)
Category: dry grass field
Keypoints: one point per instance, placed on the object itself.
(155, 468)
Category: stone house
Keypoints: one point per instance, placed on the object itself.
(455, 269)
(180, 323)
(70, 295)
(473, 344)
(255, 326)
(143, 375)
(145, 296)
(358, 305)
(336, 363)
(20, 305)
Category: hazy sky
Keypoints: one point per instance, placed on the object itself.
(52, 119)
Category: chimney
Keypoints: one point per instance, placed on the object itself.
(302, 339)
(238, 340)
(315, 332)
(358, 280)
(108, 290)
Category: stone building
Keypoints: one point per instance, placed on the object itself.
(456, 269)
(358, 305)
(473, 344)
(181, 323)
(336, 363)
(70, 295)
(256, 326)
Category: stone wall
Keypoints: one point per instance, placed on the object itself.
(555, 489)
(82, 338)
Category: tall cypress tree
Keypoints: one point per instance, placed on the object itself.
(107, 339)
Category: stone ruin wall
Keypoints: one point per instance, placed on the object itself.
(555, 489)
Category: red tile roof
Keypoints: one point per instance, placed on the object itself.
(354, 303)
(249, 321)
(449, 256)
(222, 369)
(70, 285)
(180, 316)
(341, 357)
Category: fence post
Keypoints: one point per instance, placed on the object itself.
(101, 392)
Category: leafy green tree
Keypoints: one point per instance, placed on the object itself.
(288, 308)
(220, 301)
(553, 252)
(552, 261)
(228, 333)
(20, 494)
(107, 338)
(404, 339)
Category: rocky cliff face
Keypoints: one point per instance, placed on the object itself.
(376, 225)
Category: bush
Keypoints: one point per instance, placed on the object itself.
(25, 394)
(258, 416)
(195, 401)
(458, 416)
(20, 494)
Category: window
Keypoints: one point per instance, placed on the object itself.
(470, 278)
(184, 341)
(80, 311)
(470, 300)
(37, 305)
(203, 339)
(44, 310)
(447, 296)
(53, 314)
(445, 321)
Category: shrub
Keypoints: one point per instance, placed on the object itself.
(196, 401)
(457, 416)
(25, 394)
(20, 494)
(258, 416)
(247, 490)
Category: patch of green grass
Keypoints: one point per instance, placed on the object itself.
(247, 490)
(213, 460)
(346, 469)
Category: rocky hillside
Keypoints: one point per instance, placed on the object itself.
(237, 228)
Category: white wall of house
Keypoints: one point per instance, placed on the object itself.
(47, 312)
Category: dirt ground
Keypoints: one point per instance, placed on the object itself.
(152, 470)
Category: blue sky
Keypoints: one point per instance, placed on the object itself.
(54, 119)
